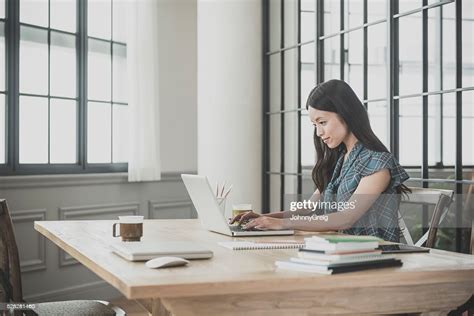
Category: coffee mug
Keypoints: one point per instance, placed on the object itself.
(130, 228)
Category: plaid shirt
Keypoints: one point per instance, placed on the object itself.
(381, 219)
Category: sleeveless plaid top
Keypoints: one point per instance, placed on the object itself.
(381, 219)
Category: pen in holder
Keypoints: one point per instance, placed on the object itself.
(221, 202)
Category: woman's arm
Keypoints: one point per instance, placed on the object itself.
(368, 190)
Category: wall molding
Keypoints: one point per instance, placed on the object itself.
(78, 212)
(83, 291)
(62, 180)
(29, 216)
(157, 205)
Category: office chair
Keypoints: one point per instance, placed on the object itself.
(10, 281)
(440, 199)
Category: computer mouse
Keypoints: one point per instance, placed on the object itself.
(165, 262)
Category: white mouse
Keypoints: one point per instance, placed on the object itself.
(165, 262)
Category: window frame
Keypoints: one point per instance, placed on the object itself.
(392, 17)
(12, 165)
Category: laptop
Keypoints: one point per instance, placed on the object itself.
(146, 250)
(210, 215)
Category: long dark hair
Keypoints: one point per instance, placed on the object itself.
(338, 97)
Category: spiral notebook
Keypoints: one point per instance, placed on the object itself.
(250, 245)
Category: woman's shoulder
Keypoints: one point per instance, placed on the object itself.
(373, 161)
(374, 158)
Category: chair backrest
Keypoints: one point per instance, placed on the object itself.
(440, 199)
(472, 236)
(10, 274)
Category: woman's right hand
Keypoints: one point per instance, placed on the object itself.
(244, 217)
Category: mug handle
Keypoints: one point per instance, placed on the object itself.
(114, 231)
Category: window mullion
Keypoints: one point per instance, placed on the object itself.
(12, 41)
(81, 55)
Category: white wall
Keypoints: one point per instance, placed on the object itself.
(178, 84)
(230, 95)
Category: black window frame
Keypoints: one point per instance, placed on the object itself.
(12, 40)
(393, 97)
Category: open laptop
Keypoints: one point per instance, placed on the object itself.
(210, 215)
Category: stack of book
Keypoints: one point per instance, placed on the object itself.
(329, 254)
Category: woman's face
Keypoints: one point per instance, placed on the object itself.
(329, 126)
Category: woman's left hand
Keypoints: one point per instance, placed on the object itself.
(266, 223)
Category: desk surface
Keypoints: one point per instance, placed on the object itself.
(242, 272)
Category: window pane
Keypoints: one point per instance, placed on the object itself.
(353, 73)
(308, 53)
(63, 15)
(33, 61)
(308, 5)
(99, 138)
(291, 141)
(308, 82)
(308, 26)
(291, 82)
(275, 82)
(119, 19)
(353, 13)
(291, 189)
(332, 16)
(376, 10)
(407, 5)
(275, 142)
(275, 24)
(3, 129)
(99, 14)
(467, 127)
(99, 70)
(120, 73)
(33, 130)
(467, 44)
(291, 22)
(411, 132)
(275, 193)
(308, 184)
(2, 56)
(34, 12)
(2, 9)
(120, 133)
(308, 152)
(377, 59)
(441, 48)
(449, 128)
(63, 65)
(449, 46)
(434, 129)
(410, 54)
(332, 58)
(63, 118)
(379, 121)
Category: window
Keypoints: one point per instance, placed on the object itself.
(63, 95)
(403, 60)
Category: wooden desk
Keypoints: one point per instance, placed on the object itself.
(246, 282)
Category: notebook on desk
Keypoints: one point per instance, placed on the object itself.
(146, 250)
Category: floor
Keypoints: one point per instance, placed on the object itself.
(130, 307)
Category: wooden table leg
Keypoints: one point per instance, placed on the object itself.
(158, 309)
(153, 307)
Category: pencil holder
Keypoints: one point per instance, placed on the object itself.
(221, 201)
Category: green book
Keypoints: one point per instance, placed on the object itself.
(342, 238)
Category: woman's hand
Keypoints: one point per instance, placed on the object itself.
(266, 223)
(244, 217)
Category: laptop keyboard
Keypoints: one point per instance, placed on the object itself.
(239, 228)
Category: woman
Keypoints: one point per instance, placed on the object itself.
(352, 166)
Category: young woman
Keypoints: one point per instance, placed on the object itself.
(353, 166)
